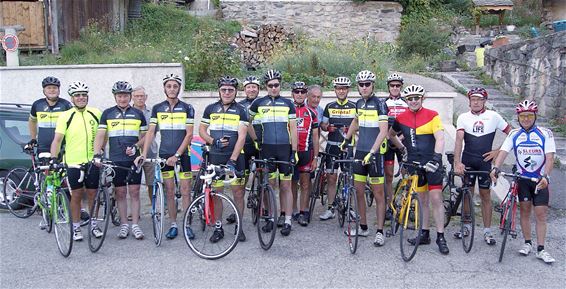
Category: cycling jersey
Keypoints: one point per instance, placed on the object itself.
(418, 130)
(124, 128)
(306, 123)
(369, 114)
(172, 124)
(224, 122)
(395, 106)
(340, 114)
(79, 129)
(479, 131)
(257, 126)
(46, 118)
(274, 114)
(530, 149)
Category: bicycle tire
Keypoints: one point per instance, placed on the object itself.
(19, 192)
(410, 227)
(507, 214)
(100, 214)
(467, 218)
(114, 214)
(369, 195)
(157, 213)
(47, 218)
(63, 223)
(353, 218)
(448, 205)
(200, 243)
(322, 190)
(253, 201)
(267, 200)
(396, 203)
(340, 204)
(315, 193)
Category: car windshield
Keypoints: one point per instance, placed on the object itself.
(15, 128)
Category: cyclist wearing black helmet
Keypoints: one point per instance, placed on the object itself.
(44, 114)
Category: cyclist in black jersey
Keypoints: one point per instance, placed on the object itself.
(224, 127)
(124, 127)
(251, 148)
(371, 122)
(174, 119)
(44, 113)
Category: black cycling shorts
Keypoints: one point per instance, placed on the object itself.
(220, 159)
(249, 152)
(428, 181)
(335, 150)
(120, 175)
(185, 163)
(304, 164)
(389, 156)
(279, 153)
(477, 164)
(527, 193)
(373, 170)
(90, 179)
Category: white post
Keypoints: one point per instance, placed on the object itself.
(12, 57)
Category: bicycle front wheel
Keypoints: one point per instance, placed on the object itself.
(507, 218)
(157, 213)
(369, 195)
(353, 218)
(467, 221)
(114, 215)
(448, 205)
(63, 223)
(204, 243)
(19, 192)
(410, 221)
(267, 213)
(99, 219)
(340, 203)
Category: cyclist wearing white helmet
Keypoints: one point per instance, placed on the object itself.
(77, 126)
(251, 148)
(371, 122)
(534, 149)
(174, 119)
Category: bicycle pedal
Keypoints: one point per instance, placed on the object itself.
(498, 209)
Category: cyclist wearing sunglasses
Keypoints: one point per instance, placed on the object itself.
(423, 139)
(279, 140)
(476, 129)
(534, 148)
(224, 127)
(371, 122)
(307, 148)
(336, 119)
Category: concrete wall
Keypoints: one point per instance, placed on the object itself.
(533, 69)
(23, 84)
(331, 19)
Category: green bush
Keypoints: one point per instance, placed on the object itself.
(423, 38)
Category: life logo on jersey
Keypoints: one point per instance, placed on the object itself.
(478, 127)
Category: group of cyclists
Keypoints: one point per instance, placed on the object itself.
(374, 130)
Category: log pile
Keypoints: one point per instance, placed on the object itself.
(257, 45)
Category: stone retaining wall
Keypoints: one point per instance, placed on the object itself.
(331, 19)
(533, 69)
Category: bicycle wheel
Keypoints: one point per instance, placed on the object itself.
(46, 217)
(322, 189)
(267, 214)
(340, 203)
(19, 192)
(63, 223)
(99, 219)
(353, 218)
(114, 215)
(506, 216)
(315, 193)
(410, 227)
(201, 244)
(467, 220)
(448, 205)
(196, 188)
(395, 206)
(157, 213)
(369, 195)
(253, 202)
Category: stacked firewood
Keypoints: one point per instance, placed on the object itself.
(257, 45)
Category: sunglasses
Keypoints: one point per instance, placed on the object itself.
(413, 98)
(227, 90)
(526, 116)
(274, 85)
(364, 84)
(300, 91)
(395, 85)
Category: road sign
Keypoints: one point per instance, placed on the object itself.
(10, 42)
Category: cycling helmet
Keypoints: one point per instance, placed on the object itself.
(251, 80)
(413, 89)
(365, 75)
(271, 74)
(341, 81)
(122, 87)
(478, 91)
(50, 80)
(526, 106)
(77, 86)
(298, 85)
(172, 76)
(394, 77)
(228, 80)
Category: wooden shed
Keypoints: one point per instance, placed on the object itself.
(491, 7)
(60, 21)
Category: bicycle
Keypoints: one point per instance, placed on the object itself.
(157, 200)
(407, 210)
(346, 201)
(196, 187)
(262, 200)
(508, 208)
(454, 196)
(319, 183)
(204, 215)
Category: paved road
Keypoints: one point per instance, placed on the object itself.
(315, 256)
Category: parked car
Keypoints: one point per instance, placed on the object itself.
(14, 134)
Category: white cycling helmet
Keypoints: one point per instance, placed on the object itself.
(394, 77)
(77, 86)
(341, 81)
(413, 89)
(174, 77)
(365, 75)
(251, 80)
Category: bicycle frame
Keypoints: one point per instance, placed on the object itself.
(510, 203)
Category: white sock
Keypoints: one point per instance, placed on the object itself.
(288, 220)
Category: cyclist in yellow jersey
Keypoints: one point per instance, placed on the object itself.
(77, 126)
